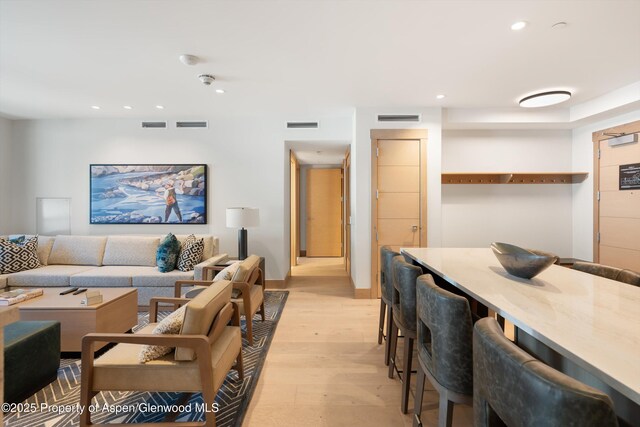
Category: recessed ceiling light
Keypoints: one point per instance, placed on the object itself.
(545, 99)
(440, 96)
(95, 107)
(219, 90)
(127, 107)
(518, 25)
(160, 107)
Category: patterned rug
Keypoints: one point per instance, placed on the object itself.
(57, 405)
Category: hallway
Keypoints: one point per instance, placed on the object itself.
(325, 367)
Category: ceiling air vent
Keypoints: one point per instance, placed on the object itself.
(303, 125)
(194, 124)
(154, 125)
(398, 117)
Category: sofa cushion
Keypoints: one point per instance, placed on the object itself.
(209, 245)
(167, 253)
(15, 257)
(131, 250)
(190, 253)
(78, 250)
(227, 273)
(151, 277)
(200, 313)
(45, 243)
(169, 325)
(256, 298)
(108, 276)
(50, 276)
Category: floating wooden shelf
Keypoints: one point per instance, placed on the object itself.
(513, 177)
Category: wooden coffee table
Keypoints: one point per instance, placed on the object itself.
(118, 312)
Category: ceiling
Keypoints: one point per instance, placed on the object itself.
(60, 57)
(319, 152)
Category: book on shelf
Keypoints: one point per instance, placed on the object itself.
(19, 295)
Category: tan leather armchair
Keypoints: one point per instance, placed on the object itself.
(205, 350)
(248, 285)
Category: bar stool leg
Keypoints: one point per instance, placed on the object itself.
(387, 345)
(393, 338)
(381, 321)
(406, 375)
(445, 410)
(417, 407)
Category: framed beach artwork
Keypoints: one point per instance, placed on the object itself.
(148, 194)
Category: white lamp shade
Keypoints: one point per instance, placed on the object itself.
(242, 217)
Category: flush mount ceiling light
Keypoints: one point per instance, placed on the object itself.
(95, 107)
(545, 99)
(127, 107)
(219, 90)
(160, 107)
(516, 26)
(439, 96)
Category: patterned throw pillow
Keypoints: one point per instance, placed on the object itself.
(167, 255)
(190, 253)
(228, 272)
(16, 257)
(169, 325)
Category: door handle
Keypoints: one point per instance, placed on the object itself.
(414, 228)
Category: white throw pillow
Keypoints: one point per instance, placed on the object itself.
(227, 273)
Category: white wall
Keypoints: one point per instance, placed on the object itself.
(530, 215)
(5, 175)
(247, 158)
(365, 120)
(583, 195)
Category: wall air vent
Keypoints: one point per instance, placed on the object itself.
(303, 125)
(398, 117)
(192, 124)
(154, 125)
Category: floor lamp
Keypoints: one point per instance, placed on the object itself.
(241, 218)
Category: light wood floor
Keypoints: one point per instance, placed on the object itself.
(325, 367)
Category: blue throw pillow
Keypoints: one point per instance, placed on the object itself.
(17, 239)
(167, 255)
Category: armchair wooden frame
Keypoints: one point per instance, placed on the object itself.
(255, 278)
(200, 343)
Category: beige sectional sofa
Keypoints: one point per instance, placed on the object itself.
(108, 261)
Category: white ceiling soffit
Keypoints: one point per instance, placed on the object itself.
(319, 152)
(60, 57)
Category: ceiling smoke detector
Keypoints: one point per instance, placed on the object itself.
(206, 79)
(188, 59)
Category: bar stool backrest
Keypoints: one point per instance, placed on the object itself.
(513, 388)
(405, 276)
(386, 273)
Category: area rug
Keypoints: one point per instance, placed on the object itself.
(57, 405)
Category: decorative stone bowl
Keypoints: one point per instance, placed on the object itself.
(524, 263)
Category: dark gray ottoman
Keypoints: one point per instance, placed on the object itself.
(31, 357)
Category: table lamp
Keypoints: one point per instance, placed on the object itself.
(241, 218)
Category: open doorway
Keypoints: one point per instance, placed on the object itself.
(319, 196)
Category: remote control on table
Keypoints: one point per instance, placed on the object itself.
(68, 291)
(79, 291)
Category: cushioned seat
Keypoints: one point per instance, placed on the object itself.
(256, 296)
(511, 387)
(445, 330)
(404, 319)
(386, 305)
(150, 277)
(105, 277)
(49, 276)
(204, 351)
(31, 357)
(120, 368)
